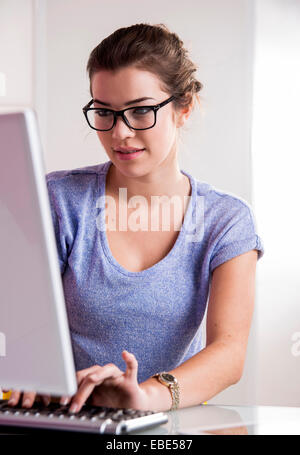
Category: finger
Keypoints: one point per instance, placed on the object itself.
(132, 365)
(14, 398)
(28, 399)
(92, 380)
(46, 399)
(80, 375)
(65, 400)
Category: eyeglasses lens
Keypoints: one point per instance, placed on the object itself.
(137, 117)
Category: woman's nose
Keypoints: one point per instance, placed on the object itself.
(121, 130)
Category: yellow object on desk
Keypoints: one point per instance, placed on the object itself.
(6, 395)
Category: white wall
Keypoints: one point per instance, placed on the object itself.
(276, 163)
(16, 53)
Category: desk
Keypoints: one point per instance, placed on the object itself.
(213, 419)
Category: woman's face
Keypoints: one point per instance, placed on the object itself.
(116, 89)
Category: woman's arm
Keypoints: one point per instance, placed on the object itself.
(204, 375)
(220, 364)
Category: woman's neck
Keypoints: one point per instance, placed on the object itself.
(160, 182)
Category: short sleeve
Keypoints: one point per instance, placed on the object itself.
(237, 236)
(61, 244)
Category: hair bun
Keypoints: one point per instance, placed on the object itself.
(151, 48)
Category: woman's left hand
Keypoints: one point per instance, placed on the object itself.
(110, 387)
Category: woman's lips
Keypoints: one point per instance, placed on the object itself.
(128, 156)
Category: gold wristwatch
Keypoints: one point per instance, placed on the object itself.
(171, 382)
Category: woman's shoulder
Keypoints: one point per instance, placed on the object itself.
(79, 173)
(230, 223)
(219, 199)
(74, 183)
(74, 187)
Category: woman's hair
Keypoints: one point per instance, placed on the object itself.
(152, 48)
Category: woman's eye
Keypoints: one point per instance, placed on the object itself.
(102, 113)
(141, 110)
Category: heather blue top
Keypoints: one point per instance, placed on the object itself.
(156, 314)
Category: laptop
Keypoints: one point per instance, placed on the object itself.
(35, 343)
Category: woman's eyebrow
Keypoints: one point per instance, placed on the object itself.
(138, 100)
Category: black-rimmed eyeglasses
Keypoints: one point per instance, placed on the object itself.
(136, 118)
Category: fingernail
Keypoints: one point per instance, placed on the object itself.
(47, 401)
(26, 402)
(74, 408)
(11, 401)
(64, 401)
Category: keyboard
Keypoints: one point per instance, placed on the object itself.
(90, 419)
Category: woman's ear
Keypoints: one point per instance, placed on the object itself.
(183, 114)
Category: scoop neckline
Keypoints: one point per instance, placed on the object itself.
(171, 253)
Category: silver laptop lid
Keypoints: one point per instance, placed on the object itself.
(35, 344)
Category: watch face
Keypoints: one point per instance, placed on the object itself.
(168, 377)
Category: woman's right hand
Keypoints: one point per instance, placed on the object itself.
(26, 399)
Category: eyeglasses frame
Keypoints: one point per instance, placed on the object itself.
(121, 113)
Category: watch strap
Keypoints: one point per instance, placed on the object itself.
(174, 390)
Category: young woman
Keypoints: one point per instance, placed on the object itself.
(136, 293)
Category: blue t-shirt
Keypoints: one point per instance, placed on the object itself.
(156, 314)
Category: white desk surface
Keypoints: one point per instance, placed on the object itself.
(230, 420)
(217, 419)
